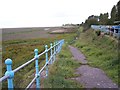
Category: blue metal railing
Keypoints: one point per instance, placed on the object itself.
(9, 74)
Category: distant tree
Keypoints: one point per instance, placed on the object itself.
(82, 23)
(103, 18)
(113, 14)
(77, 24)
(110, 22)
(92, 20)
(118, 10)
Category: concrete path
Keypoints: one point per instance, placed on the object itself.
(90, 77)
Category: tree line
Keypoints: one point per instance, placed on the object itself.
(103, 18)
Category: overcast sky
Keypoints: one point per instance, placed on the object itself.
(36, 13)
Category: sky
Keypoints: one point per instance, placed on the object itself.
(41, 13)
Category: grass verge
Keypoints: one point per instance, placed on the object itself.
(101, 52)
(61, 72)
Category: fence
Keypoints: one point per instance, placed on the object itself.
(9, 74)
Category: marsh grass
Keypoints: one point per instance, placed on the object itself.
(21, 51)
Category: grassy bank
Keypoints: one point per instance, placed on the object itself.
(62, 71)
(101, 52)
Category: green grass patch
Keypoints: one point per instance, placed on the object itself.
(61, 72)
(101, 52)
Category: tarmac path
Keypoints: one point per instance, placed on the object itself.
(90, 77)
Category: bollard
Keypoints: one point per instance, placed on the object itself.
(37, 69)
(9, 73)
(46, 49)
(51, 53)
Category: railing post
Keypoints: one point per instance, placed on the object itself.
(46, 49)
(54, 51)
(9, 73)
(59, 46)
(56, 47)
(37, 69)
(51, 53)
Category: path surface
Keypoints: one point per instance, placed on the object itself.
(90, 77)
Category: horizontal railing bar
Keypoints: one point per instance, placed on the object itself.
(51, 57)
(48, 49)
(3, 78)
(30, 61)
(22, 66)
(42, 68)
(39, 73)
(56, 44)
(41, 54)
(31, 83)
(46, 64)
(36, 76)
(53, 46)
